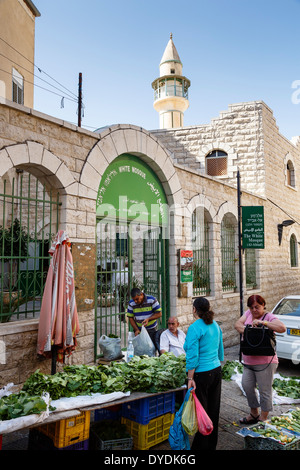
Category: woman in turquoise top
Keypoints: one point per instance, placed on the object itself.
(204, 353)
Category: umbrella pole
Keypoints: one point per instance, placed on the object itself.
(54, 356)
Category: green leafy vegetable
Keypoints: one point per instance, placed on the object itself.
(141, 374)
(230, 368)
(20, 404)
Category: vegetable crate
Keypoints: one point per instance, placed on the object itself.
(68, 431)
(96, 443)
(142, 411)
(39, 441)
(148, 435)
(265, 437)
(111, 412)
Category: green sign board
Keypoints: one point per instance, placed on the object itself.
(130, 191)
(253, 232)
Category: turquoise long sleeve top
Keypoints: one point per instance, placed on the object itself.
(203, 346)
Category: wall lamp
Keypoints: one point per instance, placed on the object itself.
(285, 223)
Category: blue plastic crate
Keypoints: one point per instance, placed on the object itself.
(142, 411)
(112, 412)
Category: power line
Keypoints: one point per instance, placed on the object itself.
(36, 76)
(43, 88)
(39, 69)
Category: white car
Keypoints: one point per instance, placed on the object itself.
(288, 344)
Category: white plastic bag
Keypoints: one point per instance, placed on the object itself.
(143, 344)
(111, 347)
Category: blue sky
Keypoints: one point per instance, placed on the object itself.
(232, 51)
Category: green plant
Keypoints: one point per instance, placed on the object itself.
(14, 242)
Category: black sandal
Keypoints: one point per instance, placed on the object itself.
(254, 420)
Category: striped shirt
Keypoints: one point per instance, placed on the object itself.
(144, 310)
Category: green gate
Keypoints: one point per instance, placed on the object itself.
(29, 216)
(132, 250)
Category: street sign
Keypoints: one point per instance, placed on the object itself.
(253, 232)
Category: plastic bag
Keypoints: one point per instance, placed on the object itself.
(143, 344)
(111, 347)
(205, 425)
(178, 438)
(189, 417)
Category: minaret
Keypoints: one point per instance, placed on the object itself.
(170, 89)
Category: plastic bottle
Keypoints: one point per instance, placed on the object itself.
(130, 351)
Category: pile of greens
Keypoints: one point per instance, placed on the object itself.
(230, 368)
(141, 374)
(20, 404)
(287, 388)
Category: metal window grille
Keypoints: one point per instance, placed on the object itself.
(228, 249)
(29, 217)
(216, 163)
(290, 174)
(293, 251)
(250, 268)
(200, 245)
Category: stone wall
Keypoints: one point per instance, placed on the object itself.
(72, 160)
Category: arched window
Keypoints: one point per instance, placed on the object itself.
(216, 163)
(290, 174)
(228, 253)
(293, 251)
(200, 245)
(29, 220)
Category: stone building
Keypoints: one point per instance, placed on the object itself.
(128, 195)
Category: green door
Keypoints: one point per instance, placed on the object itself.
(155, 273)
(132, 215)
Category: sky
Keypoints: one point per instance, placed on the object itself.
(232, 51)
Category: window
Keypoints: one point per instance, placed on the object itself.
(17, 87)
(250, 268)
(290, 174)
(293, 251)
(200, 246)
(216, 163)
(228, 253)
(29, 220)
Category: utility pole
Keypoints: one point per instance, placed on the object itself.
(79, 99)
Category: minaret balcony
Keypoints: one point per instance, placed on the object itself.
(170, 86)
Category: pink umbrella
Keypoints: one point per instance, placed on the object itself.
(58, 325)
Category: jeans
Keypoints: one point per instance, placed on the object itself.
(208, 392)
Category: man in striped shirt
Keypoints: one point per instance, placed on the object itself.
(143, 310)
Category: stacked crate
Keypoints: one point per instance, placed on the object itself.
(109, 417)
(148, 420)
(67, 434)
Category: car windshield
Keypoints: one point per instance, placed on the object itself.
(288, 307)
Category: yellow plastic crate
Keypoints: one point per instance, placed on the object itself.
(148, 435)
(68, 431)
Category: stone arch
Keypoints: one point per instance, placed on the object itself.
(34, 158)
(288, 159)
(119, 139)
(219, 145)
(225, 208)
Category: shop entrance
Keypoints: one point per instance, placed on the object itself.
(132, 244)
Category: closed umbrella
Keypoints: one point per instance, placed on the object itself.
(58, 325)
